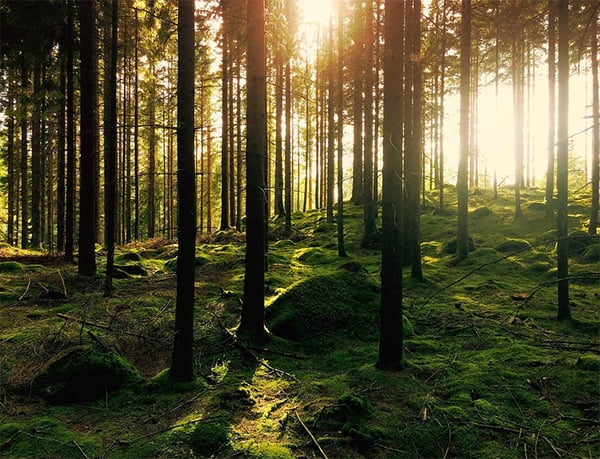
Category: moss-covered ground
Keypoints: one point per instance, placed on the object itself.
(488, 370)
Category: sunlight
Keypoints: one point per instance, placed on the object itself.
(316, 12)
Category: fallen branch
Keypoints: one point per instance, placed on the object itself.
(62, 280)
(84, 322)
(311, 436)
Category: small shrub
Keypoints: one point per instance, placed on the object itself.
(268, 450)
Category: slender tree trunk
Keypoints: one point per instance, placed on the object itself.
(593, 226)
(70, 139)
(340, 132)
(517, 84)
(253, 309)
(182, 362)
(225, 124)
(136, 134)
(552, 10)
(110, 141)
(441, 161)
(12, 173)
(288, 147)
(24, 158)
(60, 154)
(36, 158)
(562, 166)
(88, 140)
(462, 234)
(359, 77)
(390, 314)
(278, 204)
(370, 229)
(330, 127)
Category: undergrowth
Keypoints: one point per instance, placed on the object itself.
(488, 370)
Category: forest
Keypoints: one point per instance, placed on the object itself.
(299, 228)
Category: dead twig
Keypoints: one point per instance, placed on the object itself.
(26, 290)
(80, 450)
(64, 286)
(311, 436)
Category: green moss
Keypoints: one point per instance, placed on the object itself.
(8, 297)
(208, 438)
(592, 253)
(327, 308)
(514, 245)
(11, 267)
(268, 450)
(83, 374)
(589, 361)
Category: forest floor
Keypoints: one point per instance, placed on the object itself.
(489, 371)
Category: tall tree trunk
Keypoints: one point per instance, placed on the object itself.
(36, 157)
(253, 309)
(136, 135)
(593, 226)
(414, 165)
(11, 169)
(517, 84)
(330, 126)
(70, 139)
(340, 132)
(88, 140)
(370, 229)
(552, 6)
(390, 313)
(24, 158)
(110, 139)
(225, 123)
(462, 232)
(182, 361)
(288, 146)
(562, 166)
(441, 161)
(359, 83)
(278, 204)
(60, 153)
(151, 223)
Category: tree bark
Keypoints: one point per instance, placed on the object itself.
(390, 313)
(182, 362)
(462, 234)
(253, 309)
(88, 140)
(551, 106)
(593, 226)
(562, 167)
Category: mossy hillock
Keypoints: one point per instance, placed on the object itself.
(82, 374)
(327, 308)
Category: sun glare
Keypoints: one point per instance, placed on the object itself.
(316, 12)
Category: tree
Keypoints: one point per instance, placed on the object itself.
(110, 140)
(370, 229)
(253, 309)
(182, 361)
(551, 106)
(562, 166)
(88, 140)
(340, 132)
(593, 226)
(462, 186)
(390, 313)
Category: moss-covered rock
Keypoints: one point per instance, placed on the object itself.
(82, 374)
